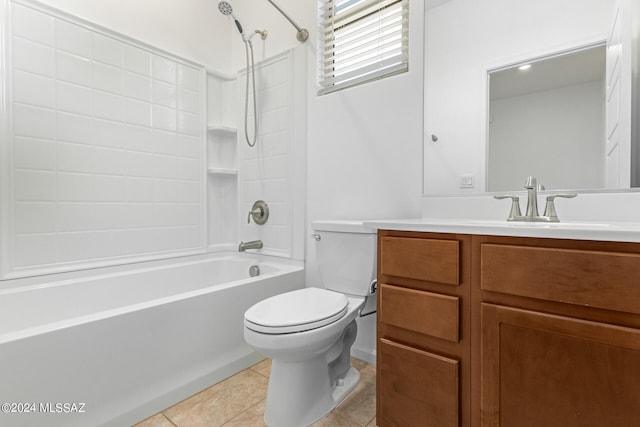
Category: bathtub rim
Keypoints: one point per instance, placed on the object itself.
(291, 266)
(44, 280)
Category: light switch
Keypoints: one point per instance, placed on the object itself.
(467, 181)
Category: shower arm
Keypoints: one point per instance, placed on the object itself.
(303, 34)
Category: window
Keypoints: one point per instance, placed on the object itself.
(362, 40)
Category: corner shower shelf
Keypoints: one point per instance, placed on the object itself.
(222, 171)
(222, 130)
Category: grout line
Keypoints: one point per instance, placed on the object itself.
(257, 371)
(245, 411)
(168, 419)
(369, 422)
(260, 373)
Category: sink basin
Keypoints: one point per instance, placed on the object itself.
(564, 225)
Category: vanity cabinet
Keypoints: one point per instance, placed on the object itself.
(507, 331)
(423, 366)
(557, 332)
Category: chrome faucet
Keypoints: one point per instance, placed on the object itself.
(531, 184)
(532, 215)
(254, 244)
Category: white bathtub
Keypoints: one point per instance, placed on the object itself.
(113, 348)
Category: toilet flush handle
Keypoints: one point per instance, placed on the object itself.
(373, 287)
(316, 236)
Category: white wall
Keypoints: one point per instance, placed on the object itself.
(260, 15)
(534, 134)
(193, 29)
(364, 154)
(635, 97)
(465, 38)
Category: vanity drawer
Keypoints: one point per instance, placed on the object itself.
(608, 280)
(422, 259)
(416, 387)
(419, 311)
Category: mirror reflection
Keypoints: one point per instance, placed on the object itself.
(486, 139)
(552, 109)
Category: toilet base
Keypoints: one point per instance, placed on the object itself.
(350, 381)
(291, 402)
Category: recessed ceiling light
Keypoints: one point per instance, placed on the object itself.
(524, 67)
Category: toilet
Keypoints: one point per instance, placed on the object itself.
(308, 332)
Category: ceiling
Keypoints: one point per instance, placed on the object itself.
(571, 68)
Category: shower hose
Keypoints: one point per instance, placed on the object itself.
(248, 46)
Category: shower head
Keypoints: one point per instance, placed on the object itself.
(225, 8)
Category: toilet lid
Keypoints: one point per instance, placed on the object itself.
(296, 311)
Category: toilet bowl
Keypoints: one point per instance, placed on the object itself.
(308, 333)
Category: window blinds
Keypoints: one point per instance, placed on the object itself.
(362, 40)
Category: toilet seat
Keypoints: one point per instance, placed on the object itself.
(296, 311)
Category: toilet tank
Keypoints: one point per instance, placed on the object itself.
(346, 255)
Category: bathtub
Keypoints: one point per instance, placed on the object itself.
(118, 345)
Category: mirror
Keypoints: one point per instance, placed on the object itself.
(471, 48)
(552, 109)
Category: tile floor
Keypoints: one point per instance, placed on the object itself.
(239, 401)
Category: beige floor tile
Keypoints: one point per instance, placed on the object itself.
(360, 405)
(358, 364)
(252, 417)
(263, 368)
(157, 420)
(227, 400)
(335, 420)
(239, 401)
(368, 375)
(192, 401)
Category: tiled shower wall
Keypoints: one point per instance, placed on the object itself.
(274, 170)
(102, 143)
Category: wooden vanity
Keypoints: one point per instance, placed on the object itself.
(478, 330)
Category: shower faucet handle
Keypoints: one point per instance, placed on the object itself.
(259, 212)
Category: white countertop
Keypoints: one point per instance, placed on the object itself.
(607, 231)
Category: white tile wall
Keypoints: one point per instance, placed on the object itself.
(265, 171)
(107, 143)
(33, 57)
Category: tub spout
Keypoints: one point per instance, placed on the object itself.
(254, 244)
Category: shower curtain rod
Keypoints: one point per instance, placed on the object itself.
(303, 34)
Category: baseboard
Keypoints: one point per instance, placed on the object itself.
(366, 354)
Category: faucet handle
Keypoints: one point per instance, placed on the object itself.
(515, 206)
(256, 212)
(550, 208)
(259, 212)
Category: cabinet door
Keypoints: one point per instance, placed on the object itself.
(416, 388)
(545, 370)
